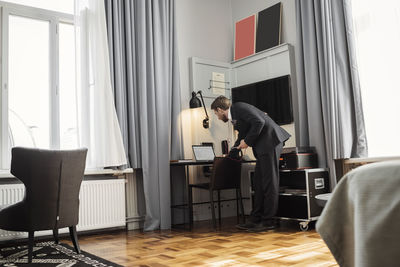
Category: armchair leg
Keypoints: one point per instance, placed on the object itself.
(30, 245)
(74, 238)
(213, 209)
(55, 234)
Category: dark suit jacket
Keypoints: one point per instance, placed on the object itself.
(256, 128)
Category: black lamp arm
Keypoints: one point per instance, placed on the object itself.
(202, 101)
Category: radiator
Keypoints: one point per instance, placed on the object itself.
(10, 194)
(102, 205)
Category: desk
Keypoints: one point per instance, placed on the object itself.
(186, 164)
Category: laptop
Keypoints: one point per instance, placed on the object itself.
(203, 152)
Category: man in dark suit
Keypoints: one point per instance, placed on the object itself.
(257, 130)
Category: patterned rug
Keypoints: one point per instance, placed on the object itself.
(50, 254)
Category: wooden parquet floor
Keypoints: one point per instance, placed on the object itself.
(202, 246)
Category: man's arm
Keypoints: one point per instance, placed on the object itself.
(240, 137)
(256, 121)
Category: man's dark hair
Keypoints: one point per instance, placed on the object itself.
(221, 102)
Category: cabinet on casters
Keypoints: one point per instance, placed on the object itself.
(298, 189)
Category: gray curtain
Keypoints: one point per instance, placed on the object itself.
(330, 105)
(145, 77)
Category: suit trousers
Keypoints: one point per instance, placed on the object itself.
(266, 185)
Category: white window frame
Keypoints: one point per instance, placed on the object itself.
(54, 18)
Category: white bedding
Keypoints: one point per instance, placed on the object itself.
(361, 221)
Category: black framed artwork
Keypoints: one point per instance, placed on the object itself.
(268, 33)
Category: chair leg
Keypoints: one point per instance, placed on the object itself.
(190, 204)
(241, 204)
(74, 238)
(31, 235)
(213, 209)
(219, 208)
(55, 234)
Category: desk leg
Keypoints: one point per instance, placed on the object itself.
(189, 198)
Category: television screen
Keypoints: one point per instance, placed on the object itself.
(271, 96)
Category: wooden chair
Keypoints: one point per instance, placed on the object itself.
(226, 174)
(52, 180)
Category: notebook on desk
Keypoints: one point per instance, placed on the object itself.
(203, 152)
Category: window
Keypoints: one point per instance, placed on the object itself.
(65, 6)
(377, 35)
(38, 77)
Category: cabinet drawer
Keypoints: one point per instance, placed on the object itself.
(293, 179)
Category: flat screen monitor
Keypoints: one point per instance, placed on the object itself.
(271, 96)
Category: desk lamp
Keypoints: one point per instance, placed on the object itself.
(195, 103)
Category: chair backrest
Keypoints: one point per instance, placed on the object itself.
(52, 181)
(226, 173)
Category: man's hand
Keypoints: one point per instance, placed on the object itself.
(242, 145)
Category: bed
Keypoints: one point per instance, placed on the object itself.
(361, 220)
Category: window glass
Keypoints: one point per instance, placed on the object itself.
(28, 74)
(376, 26)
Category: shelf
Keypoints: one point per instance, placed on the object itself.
(304, 170)
(293, 194)
(287, 191)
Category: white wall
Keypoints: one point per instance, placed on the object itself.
(242, 9)
(204, 29)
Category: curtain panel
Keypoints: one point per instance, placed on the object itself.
(330, 104)
(145, 77)
(98, 127)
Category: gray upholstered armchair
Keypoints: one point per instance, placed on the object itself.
(52, 180)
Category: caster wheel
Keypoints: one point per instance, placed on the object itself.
(303, 226)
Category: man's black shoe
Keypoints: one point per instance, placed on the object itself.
(246, 226)
(261, 227)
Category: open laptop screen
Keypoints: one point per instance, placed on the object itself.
(203, 152)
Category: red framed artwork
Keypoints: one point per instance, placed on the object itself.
(245, 37)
